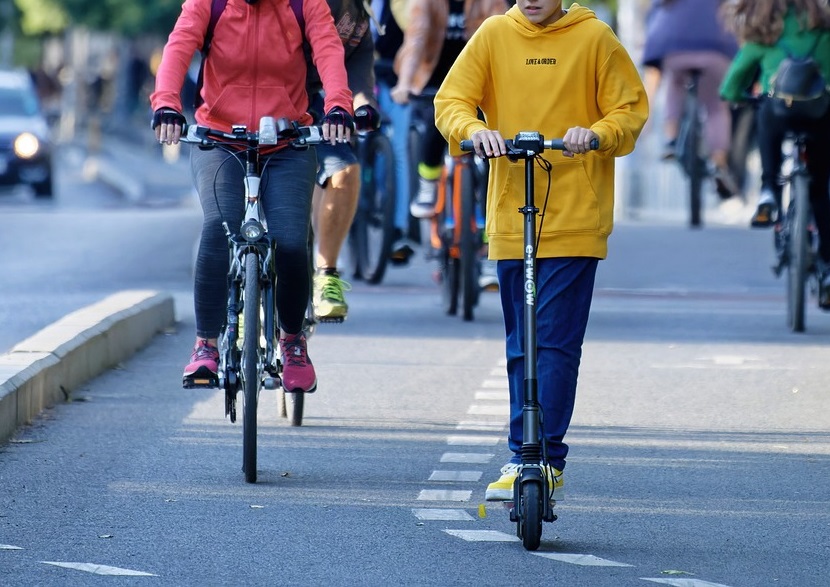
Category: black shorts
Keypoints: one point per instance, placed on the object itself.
(333, 158)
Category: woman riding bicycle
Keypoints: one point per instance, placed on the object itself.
(684, 35)
(769, 30)
(255, 68)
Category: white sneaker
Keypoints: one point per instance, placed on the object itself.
(423, 206)
(489, 278)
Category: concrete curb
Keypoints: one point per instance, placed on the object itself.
(43, 369)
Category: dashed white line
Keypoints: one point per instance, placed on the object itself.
(684, 582)
(466, 457)
(473, 440)
(489, 409)
(99, 569)
(496, 383)
(481, 425)
(455, 476)
(443, 514)
(9, 547)
(482, 535)
(495, 396)
(445, 495)
(585, 560)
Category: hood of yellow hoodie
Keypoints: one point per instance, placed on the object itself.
(575, 14)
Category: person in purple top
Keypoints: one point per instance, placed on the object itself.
(688, 34)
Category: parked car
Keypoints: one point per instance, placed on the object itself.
(25, 144)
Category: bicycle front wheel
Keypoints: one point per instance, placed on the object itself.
(250, 366)
(798, 253)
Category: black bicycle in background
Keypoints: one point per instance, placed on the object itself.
(689, 151)
(248, 343)
(372, 232)
(796, 242)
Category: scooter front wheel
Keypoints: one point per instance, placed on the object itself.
(529, 523)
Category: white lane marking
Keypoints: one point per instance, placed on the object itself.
(585, 560)
(455, 476)
(473, 440)
(495, 383)
(466, 457)
(489, 410)
(9, 547)
(482, 535)
(498, 372)
(496, 396)
(99, 569)
(445, 495)
(442, 514)
(684, 582)
(481, 425)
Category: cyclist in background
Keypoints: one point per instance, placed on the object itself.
(768, 29)
(242, 70)
(338, 176)
(435, 34)
(683, 35)
(588, 79)
(388, 36)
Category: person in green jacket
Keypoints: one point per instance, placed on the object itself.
(769, 31)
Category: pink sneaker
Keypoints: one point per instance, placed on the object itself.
(201, 371)
(297, 370)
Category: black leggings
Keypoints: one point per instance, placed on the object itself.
(286, 188)
(771, 132)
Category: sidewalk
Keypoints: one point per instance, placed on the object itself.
(130, 161)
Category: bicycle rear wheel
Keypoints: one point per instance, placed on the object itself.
(250, 366)
(798, 253)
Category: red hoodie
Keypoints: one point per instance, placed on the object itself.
(256, 65)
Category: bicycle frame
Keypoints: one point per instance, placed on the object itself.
(689, 150)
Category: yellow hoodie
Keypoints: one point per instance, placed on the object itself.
(526, 77)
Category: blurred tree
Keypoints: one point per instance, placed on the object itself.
(129, 18)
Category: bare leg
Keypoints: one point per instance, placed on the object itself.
(334, 213)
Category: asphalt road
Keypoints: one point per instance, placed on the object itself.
(700, 445)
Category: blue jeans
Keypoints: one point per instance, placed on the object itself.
(287, 185)
(564, 288)
(399, 115)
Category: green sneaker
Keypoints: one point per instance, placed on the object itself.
(502, 490)
(329, 303)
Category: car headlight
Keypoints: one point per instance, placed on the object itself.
(26, 145)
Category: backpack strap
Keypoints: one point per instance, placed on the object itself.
(216, 9)
(297, 7)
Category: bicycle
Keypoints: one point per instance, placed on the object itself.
(689, 147)
(796, 243)
(531, 497)
(372, 232)
(248, 359)
(457, 231)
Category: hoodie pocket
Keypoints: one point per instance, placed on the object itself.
(572, 204)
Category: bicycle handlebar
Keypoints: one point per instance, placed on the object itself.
(529, 142)
(271, 132)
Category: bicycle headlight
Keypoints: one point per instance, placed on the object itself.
(252, 231)
(26, 145)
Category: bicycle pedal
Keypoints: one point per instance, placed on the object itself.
(200, 382)
(332, 320)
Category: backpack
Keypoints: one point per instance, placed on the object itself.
(798, 90)
(216, 9)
